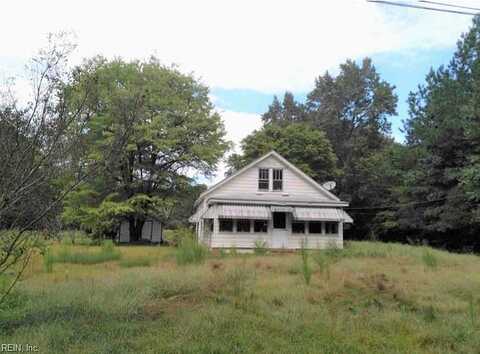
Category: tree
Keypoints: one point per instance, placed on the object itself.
(160, 125)
(34, 139)
(444, 125)
(306, 148)
(353, 108)
(289, 111)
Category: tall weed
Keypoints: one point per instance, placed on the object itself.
(306, 268)
(190, 252)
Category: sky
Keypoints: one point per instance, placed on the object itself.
(245, 51)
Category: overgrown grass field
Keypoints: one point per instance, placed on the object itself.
(370, 297)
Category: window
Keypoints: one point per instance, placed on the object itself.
(315, 227)
(263, 177)
(279, 220)
(331, 228)
(226, 225)
(277, 180)
(298, 227)
(243, 225)
(260, 226)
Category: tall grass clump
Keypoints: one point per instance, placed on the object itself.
(48, 260)
(429, 259)
(323, 262)
(306, 268)
(260, 248)
(189, 251)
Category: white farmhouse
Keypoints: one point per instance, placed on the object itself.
(270, 201)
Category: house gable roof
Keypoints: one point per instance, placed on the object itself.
(284, 161)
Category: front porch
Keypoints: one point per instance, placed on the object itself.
(242, 227)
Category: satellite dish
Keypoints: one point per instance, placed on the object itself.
(329, 185)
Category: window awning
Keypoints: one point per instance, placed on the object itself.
(238, 212)
(282, 209)
(321, 214)
(197, 216)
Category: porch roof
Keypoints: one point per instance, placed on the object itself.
(321, 214)
(238, 212)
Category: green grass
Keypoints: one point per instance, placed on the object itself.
(135, 262)
(377, 299)
(70, 254)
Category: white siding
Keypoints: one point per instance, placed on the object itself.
(157, 232)
(124, 232)
(295, 188)
(247, 240)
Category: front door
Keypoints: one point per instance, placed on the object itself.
(280, 232)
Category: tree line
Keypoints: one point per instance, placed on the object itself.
(426, 189)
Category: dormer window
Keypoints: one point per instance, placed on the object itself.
(277, 179)
(263, 179)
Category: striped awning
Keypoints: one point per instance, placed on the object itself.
(238, 212)
(282, 209)
(321, 214)
(197, 216)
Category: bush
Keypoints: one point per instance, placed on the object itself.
(190, 251)
(176, 236)
(76, 237)
(260, 248)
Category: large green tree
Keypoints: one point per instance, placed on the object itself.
(444, 128)
(306, 148)
(352, 108)
(151, 127)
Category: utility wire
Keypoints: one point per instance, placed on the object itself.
(449, 5)
(401, 4)
(387, 207)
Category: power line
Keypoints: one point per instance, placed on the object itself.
(396, 206)
(450, 5)
(401, 4)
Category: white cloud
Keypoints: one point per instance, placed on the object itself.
(263, 45)
(237, 125)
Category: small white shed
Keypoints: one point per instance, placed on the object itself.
(151, 231)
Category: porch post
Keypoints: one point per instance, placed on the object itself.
(340, 234)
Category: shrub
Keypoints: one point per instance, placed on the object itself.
(306, 269)
(176, 236)
(429, 259)
(260, 248)
(75, 237)
(190, 251)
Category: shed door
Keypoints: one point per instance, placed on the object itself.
(147, 231)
